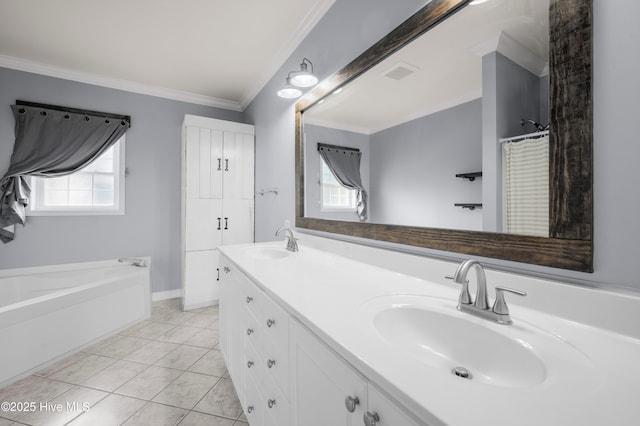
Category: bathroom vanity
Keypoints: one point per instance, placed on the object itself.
(341, 334)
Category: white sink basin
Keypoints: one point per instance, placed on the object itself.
(267, 253)
(434, 333)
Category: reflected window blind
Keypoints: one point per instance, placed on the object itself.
(525, 168)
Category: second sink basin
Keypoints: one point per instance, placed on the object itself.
(433, 332)
(267, 253)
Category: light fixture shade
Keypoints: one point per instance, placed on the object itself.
(304, 78)
(288, 91)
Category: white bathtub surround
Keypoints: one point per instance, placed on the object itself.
(50, 312)
(576, 348)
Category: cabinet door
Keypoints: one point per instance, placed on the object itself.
(203, 224)
(204, 163)
(200, 279)
(225, 305)
(238, 165)
(320, 382)
(389, 413)
(237, 221)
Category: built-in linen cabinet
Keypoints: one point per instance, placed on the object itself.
(217, 201)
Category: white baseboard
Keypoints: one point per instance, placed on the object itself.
(169, 294)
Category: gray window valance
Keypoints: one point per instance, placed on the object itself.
(51, 141)
(344, 163)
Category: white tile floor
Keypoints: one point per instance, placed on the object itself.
(164, 371)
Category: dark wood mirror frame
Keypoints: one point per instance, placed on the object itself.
(570, 101)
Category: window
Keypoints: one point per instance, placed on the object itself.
(333, 195)
(98, 189)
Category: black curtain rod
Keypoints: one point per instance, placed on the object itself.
(76, 111)
(339, 148)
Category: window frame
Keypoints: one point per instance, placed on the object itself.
(352, 193)
(36, 207)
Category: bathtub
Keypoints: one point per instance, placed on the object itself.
(47, 313)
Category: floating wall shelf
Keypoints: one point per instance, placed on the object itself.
(471, 176)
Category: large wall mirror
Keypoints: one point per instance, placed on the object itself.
(470, 126)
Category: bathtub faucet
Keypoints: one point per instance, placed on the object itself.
(134, 261)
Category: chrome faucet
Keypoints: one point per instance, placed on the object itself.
(480, 306)
(292, 242)
(134, 261)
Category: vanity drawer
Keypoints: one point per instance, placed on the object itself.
(275, 322)
(251, 331)
(251, 296)
(275, 405)
(252, 364)
(253, 403)
(276, 365)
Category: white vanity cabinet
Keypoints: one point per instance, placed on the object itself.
(254, 340)
(284, 374)
(217, 201)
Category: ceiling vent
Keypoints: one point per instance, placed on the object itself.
(399, 71)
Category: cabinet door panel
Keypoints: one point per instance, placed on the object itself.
(192, 162)
(239, 165)
(201, 223)
(237, 221)
(201, 278)
(205, 163)
(320, 383)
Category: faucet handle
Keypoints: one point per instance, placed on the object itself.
(465, 296)
(500, 305)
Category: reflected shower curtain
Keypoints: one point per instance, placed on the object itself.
(50, 142)
(344, 163)
(525, 167)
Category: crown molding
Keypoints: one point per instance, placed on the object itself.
(304, 28)
(114, 83)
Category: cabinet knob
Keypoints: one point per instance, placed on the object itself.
(271, 403)
(270, 322)
(249, 331)
(249, 299)
(371, 419)
(226, 269)
(271, 363)
(351, 402)
(250, 409)
(249, 364)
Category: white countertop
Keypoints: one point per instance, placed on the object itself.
(332, 295)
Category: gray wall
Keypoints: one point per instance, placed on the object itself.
(509, 93)
(151, 224)
(314, 134)
(414, 169)
(348, 29)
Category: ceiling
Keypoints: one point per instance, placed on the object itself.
(440, 69)
(212, 52)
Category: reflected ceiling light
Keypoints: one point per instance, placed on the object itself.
(304, 78)
(288, 91)
(338, 90)
(476, 2)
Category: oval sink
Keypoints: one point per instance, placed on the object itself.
(433, 332)
(267, 253)
(449, 342)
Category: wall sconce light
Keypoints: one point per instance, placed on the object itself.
(301, 78)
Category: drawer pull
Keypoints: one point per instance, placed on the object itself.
(371, 419)
(270, 322)
(249, 299)
(271, 363)
(226, 269)
(351, 402)
(249, 364)
(250, 409)
(249, 331)
(271, 403)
